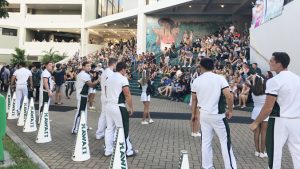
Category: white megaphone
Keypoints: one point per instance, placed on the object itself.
(8, 100)
(24, 110)
(13, 114)
(30, 119)
(184, 160)
(81, 148)
(44, 134)
(118, 158)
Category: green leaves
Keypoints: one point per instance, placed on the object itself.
(53, 56)
(3, 9)
(18, 57)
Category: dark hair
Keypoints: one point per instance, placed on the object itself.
(58, 66)
(46, 63)
(84, 64)
(112, 61)
(270, 74)
(259, 86)
(283, 58)
(207, 63)
(120, 66)
(23, 64)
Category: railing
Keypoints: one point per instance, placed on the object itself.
(37, 48)
(45, 21)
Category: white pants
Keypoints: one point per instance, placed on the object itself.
(21, 92)
(281, 131)
(81, 106)
(218, 123)
(102, 119)
(114, 120)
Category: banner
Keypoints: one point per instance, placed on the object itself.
(274, 9)
(258, 13)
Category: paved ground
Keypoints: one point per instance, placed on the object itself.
(159, 144)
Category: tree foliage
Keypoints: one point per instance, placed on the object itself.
(18, 57)
(3, 9)
(52, 56)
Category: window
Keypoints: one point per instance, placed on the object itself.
(9, 32)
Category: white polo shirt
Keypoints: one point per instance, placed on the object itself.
(82, 89)
(47, 74)
(114, 88)
(104, 76)
(208, 88)
(22, 76)
(286, 87)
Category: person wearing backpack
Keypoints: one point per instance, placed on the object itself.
(147, 90)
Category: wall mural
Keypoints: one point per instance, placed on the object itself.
(162, 31)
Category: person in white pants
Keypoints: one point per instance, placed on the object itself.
(83, 82)
(112, 62)
(21, 76)
(117, 92)
(283, 106)
(209, 91)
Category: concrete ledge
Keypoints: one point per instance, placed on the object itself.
(35, 158)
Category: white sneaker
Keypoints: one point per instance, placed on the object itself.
(151, 121)
(183, 66)
(92, 108)
(189, 66)
(257, 154)
(263, 155)
(144, 122)
(99, 137)
(197, 134)
(89, 128)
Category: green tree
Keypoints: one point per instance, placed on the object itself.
(18, 57)
(52, 56)
(3, 9)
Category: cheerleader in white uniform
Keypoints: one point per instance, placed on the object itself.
(145, 83)
(259, 98)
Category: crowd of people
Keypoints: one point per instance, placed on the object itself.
(213, 69)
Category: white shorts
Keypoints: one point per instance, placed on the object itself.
(92, 90)
(144, 97)
(255, 113)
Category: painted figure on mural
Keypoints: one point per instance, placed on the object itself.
(187, 38)
(166, 34)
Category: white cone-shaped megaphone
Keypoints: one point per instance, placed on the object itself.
(184, 160)
(118, 158)
(24, 110)
(8, 100)
(81, 148)
(44, 134)
(13, 114)
(30, 120)
(40, 101)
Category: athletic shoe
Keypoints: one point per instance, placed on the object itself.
(92, 108)
(99, 137)
(107, 154)
(183, 66)
(74, 132)
(189, 66)
(132, 154)
(151, 121)
(257, 154)
(197, 134)
(144, 122)
(263, 155)
(89, 128)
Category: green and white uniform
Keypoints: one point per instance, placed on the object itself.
(211, 103)
(82, 90)
(116, 111)
(283, 125)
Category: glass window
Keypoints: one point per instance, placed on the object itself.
(115, 6)
(121, 4)
(9, 32)
(104, 8)
(109, 7)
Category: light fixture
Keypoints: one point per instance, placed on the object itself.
(115, 24)
(57, 30)
(190, 6)
(134, 19)
(222, 6)
(38, 30)
(105, 25)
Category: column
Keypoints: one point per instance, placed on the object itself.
(141, 27)
(22, 31)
